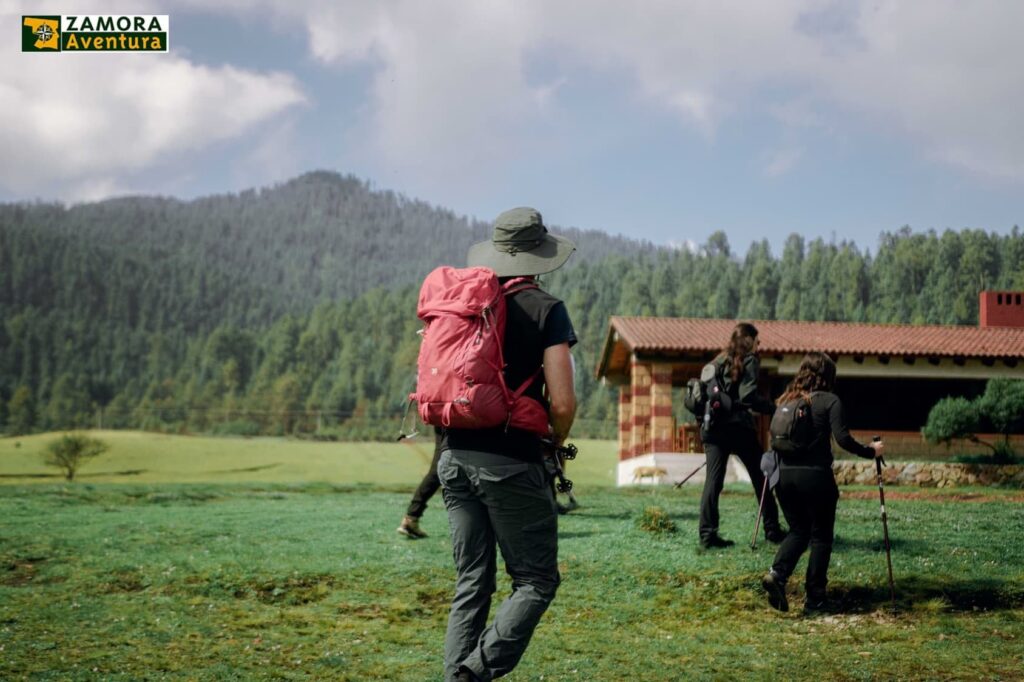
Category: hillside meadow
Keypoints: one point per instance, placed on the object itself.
(140, 457)
(212, 568)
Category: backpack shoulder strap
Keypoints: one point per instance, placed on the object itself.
(511, 288)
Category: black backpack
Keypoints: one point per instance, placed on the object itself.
(707, 398)
(792, 428)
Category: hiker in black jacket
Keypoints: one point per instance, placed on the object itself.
(410, 525)
(807, 488)
(740, 367)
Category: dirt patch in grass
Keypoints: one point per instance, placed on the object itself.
(186, 497)
(437, 600)
(369, 611)
(932, 496)
(24, 572)
(429, 603)
(122, 582)
(19, 572)
(293, 590)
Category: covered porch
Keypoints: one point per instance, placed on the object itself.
(889, 377)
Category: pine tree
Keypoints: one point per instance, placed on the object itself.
(759, 287)
(787, 306)
(21, 412)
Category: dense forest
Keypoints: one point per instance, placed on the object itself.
(292, 309)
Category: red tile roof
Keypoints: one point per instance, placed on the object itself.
(652, 334)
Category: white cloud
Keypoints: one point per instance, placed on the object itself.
(799, 113)
(945, 73)
(450, 81)
(781, 162)
(460, 88)
(696, 106)
(85, 123)
(274, 157)
(685, 245)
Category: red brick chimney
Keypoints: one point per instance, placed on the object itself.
(1001, 309)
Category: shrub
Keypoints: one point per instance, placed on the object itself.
(71, 451)
(951, 418)
(1002, 406)
(656, 520)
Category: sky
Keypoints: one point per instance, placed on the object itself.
(661, 120)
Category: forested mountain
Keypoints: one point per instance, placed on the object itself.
(247, 258)
(292, 309)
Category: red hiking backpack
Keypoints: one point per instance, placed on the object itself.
(460, 381)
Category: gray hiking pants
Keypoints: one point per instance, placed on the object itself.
(493, 500)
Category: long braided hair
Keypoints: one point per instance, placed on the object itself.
(741, 344)
(817, 373)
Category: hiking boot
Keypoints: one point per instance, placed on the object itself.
(776, 589)
(466, 675)
(816, 605)
(410, 527)
(715, 541)
(775, 535)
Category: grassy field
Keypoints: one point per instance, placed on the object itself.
(311, 582)
(138, 457)
(308, 580)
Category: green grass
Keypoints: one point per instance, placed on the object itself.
(310, 581)
(139, 457)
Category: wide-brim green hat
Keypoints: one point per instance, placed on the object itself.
(521, 246)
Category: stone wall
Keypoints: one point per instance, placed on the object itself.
(929, 474)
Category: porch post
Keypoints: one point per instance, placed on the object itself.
(625, 421)
(640, 434)
(661, 407)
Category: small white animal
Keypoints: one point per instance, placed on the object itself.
(653, 473)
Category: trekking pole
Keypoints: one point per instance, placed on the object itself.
(760, 508)
(690, 475)
(564, 485)
(885, 525)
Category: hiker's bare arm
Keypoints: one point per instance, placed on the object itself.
(561, 392)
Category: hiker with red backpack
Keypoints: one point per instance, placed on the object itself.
(495, 373)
